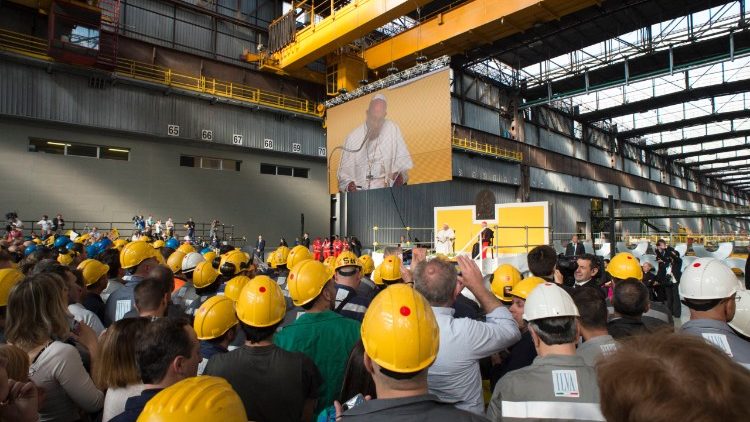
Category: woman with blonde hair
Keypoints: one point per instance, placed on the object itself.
(116, 370)
(37, 323)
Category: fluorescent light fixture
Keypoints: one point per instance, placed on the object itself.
(118, 150)
(58, 143)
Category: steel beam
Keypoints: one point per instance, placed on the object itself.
(679, 124)
(682, 155)
(697, 140)
(716, 161)
(693, 94)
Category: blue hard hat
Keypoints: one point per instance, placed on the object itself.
(69, 245)
(206, 250)
(92, 250)
(172, 243)
(106, 243)
(61, 241)
(29, 250)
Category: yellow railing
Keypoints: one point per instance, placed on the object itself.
(483, 148)
(37, 48)
(23, 44)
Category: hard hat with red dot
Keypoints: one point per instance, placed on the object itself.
(707, 278)
(624, 265)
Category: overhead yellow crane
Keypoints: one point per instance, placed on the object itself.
(466, 26)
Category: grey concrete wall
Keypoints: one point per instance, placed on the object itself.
(153, 182)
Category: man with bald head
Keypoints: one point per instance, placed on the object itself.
(375, 154)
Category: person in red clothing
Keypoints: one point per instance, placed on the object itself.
(338, 246)
(317, 249)
(326, 248)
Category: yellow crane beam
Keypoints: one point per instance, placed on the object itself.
(343, 26)
(469, 25)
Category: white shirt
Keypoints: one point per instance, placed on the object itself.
(444, 242)
(371, 164)
(113, 284)
(114, 400)
(45, 224)
(455, 377)
(81, 314)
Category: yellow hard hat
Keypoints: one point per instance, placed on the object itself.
(330, 261)
(209, 256)
(399, 330)
(38, 241)
(158, 244)
(136, 252)
(143, 238)
(367, 264)
(65, 258)
(280, 255)
(298, 254)
(503, 279)
(186, 248)
(390, 269)
(624, 265)
(120, 243)
(306, 280)
(233, 262)
(92, 271)
(234, 286)
(174, 262)
(376, 276)
(82, 238)
(203, 398)
(261, 303)
(204, 274)
(214, 318)
(346, 259)
(524, 287)
(9, 277)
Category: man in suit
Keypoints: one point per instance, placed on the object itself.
(260, 248)
(575, 247)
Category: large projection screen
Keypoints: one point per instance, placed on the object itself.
(394, 136)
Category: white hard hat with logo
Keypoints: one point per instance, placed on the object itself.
(548, 300)
(741, 320)
(190, 261)
(707, 278)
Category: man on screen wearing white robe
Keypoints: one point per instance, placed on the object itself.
(444, 240)
(375, 154)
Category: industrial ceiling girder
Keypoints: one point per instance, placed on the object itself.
(653, 63)
(697, 140)
(679, 97)
(589, 26)
(681, 155)
(679, 124)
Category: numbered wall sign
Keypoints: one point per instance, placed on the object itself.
(207, 135)
(296, 148)
(321, 151)
(173, 130)
(236, 139)
(268, 143)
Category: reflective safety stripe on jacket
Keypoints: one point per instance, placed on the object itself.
(552, 410)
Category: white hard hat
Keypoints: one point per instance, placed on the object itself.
(548, 300)
(190, 261)
(707, 278)
(741, 320)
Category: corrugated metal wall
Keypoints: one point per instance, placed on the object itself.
(31, 92)
(166, 24)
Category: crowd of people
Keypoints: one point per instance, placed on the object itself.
(110, 329)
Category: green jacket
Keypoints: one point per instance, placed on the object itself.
(327, 338)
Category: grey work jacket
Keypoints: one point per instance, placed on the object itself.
(418, 408)
(553, 388)
(720, 335)
(595, 348)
